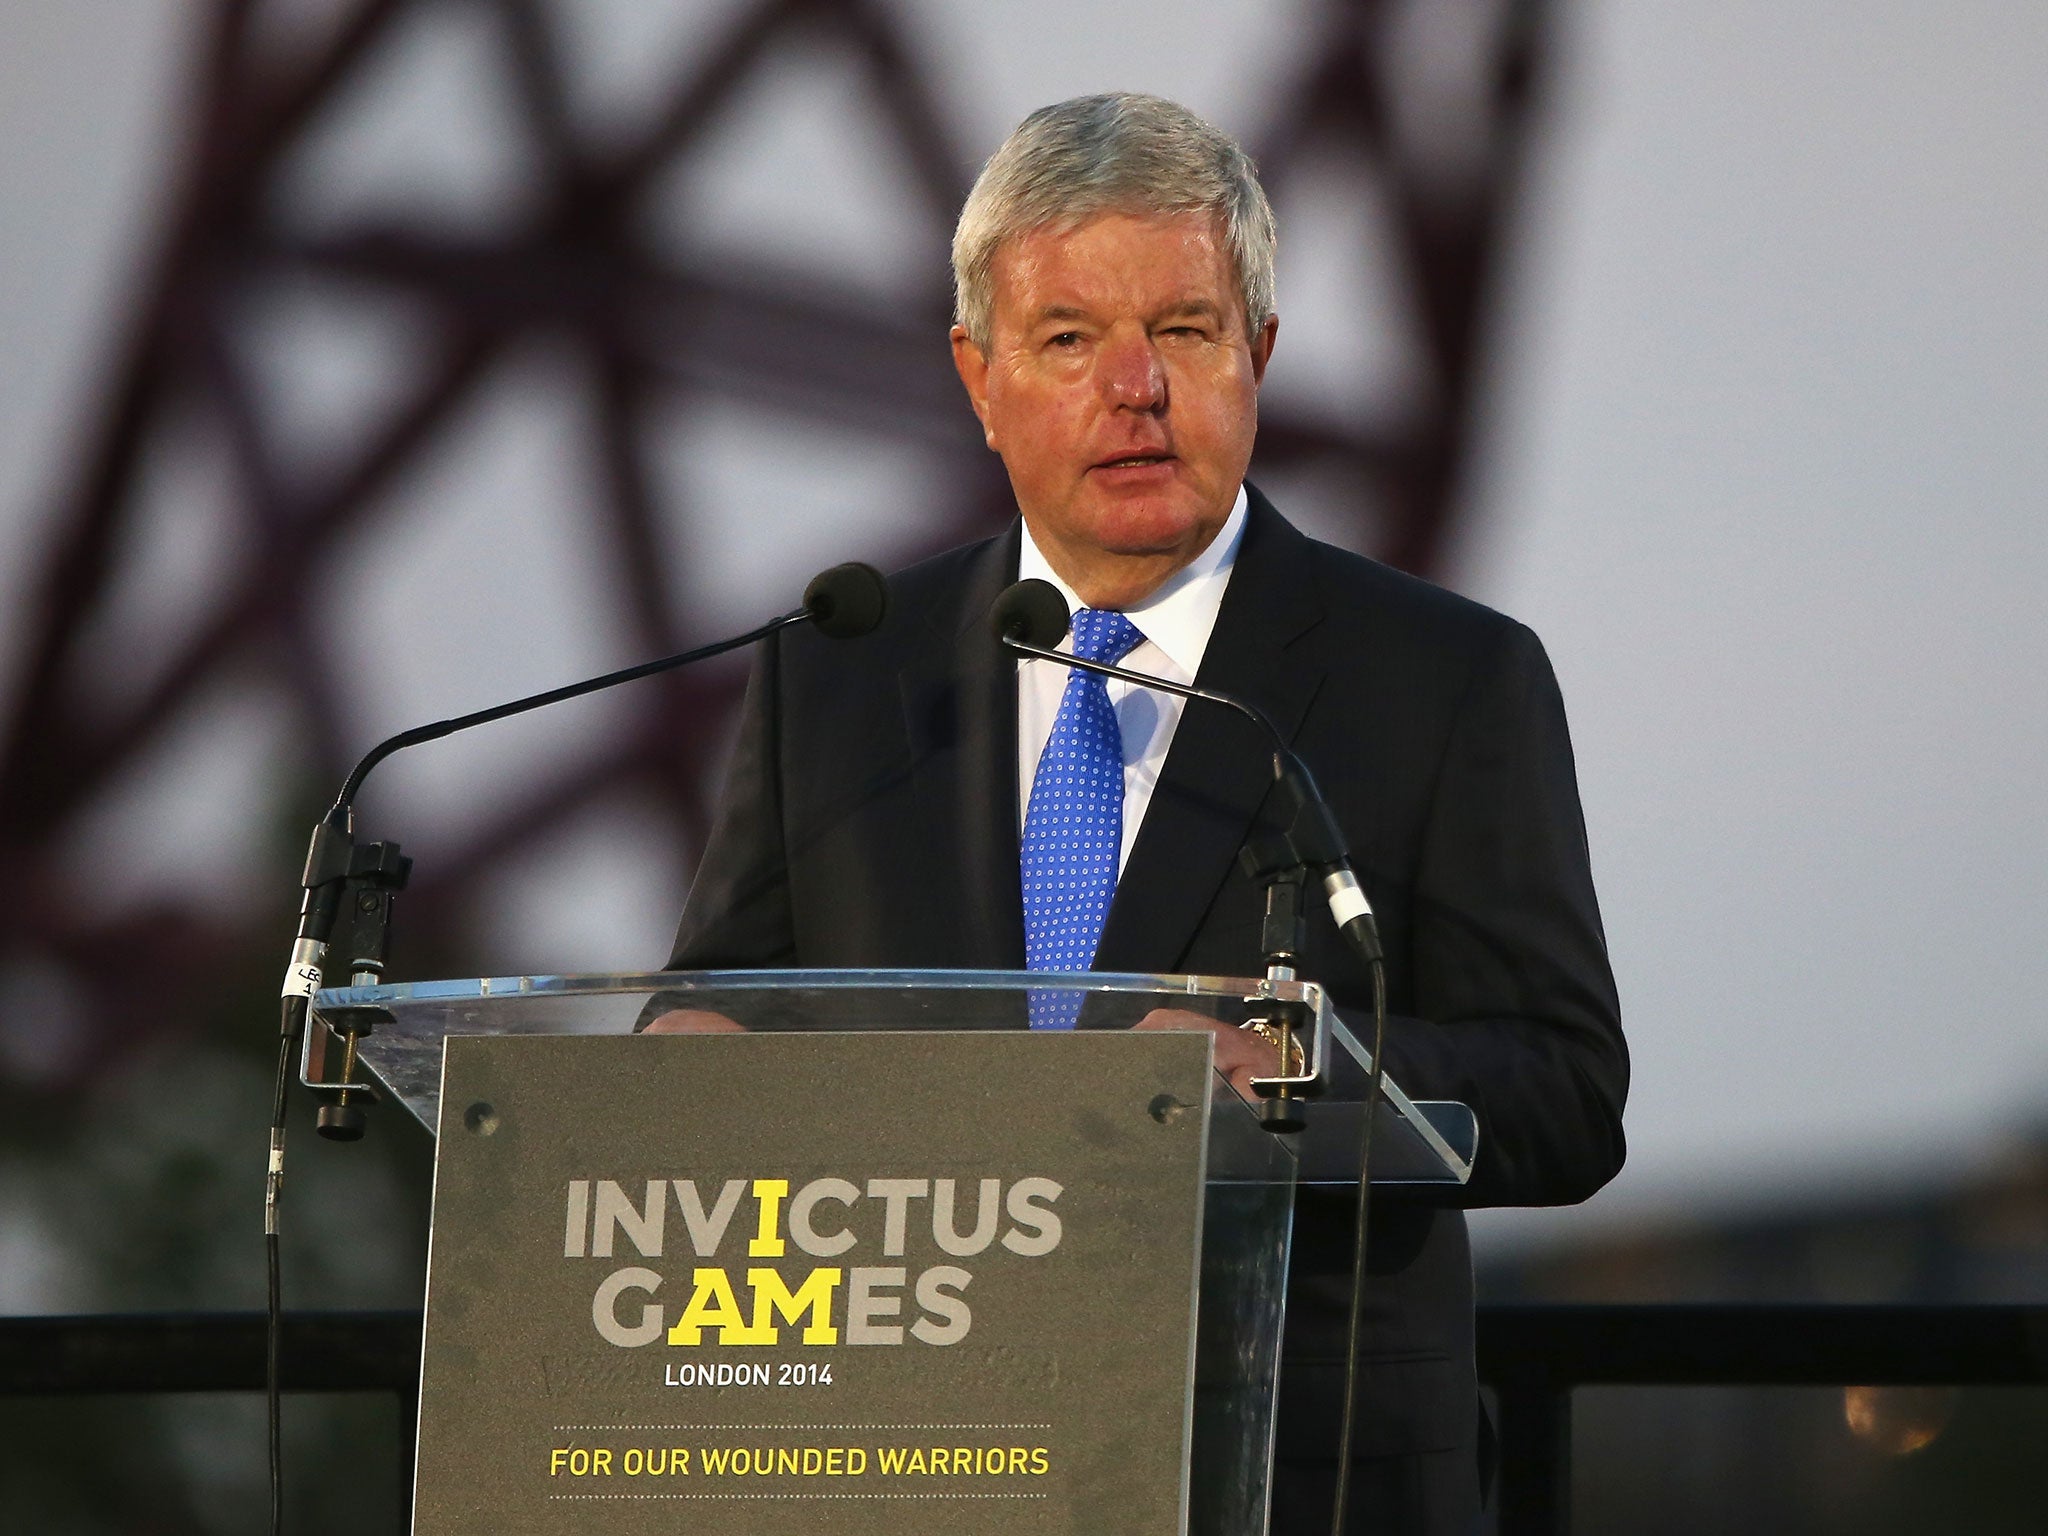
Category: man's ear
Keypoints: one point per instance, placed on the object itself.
(972, 366)
(1262, 348)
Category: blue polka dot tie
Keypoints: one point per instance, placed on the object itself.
(1074, 824)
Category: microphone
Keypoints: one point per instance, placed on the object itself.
(352, 886)
(847, 601)
(1030, 617)
(844, 602)
(1030, 613)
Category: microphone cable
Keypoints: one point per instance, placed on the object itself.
(1348, 1425)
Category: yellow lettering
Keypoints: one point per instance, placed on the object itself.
(654, 1461)
(771, 1193)
(772, 1295)
(711, 1305)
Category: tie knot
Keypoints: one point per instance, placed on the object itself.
(1103, 634)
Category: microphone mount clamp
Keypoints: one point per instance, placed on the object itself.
(353, 886)
(1283, 1022)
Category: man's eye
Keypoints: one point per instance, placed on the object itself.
(1065, 339)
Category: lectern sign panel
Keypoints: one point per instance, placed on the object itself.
(761, 1283)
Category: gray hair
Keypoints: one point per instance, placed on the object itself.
(1124, 153)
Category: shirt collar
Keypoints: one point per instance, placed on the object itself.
(1178, 617)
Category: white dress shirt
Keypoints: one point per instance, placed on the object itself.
(1175, 621)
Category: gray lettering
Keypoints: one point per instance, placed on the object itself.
(708, 1231)
(800, 1230)
(864, 1304)
(1038, 1219)
(898, 1193)
(616, 1212)
(984, 1232)
(604, 1311)
(947, 1318)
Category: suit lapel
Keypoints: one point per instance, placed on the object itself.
(1219, 769)
(960, 708)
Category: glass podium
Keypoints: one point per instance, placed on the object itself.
(1097, 1350)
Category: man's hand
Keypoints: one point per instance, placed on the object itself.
(693, 1021)
(1240, 1054)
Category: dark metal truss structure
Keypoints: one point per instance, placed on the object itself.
(649, 327)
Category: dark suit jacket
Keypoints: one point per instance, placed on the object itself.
(871, 820)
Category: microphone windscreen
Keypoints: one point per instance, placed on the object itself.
(848, 600)
(1031, 612)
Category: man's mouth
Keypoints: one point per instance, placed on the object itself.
(1135, 461)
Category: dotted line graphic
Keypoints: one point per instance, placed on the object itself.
(708, 1428)
(898, 1497)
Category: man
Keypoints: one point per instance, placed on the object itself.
(907, 799)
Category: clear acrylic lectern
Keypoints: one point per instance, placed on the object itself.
(779, 1276)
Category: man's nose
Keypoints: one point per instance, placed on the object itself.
(1132, 374)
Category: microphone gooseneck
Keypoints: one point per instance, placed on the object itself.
(1022, 618)
(846, 601)
(1025, 613)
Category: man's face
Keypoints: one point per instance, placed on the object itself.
(1121, 389)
